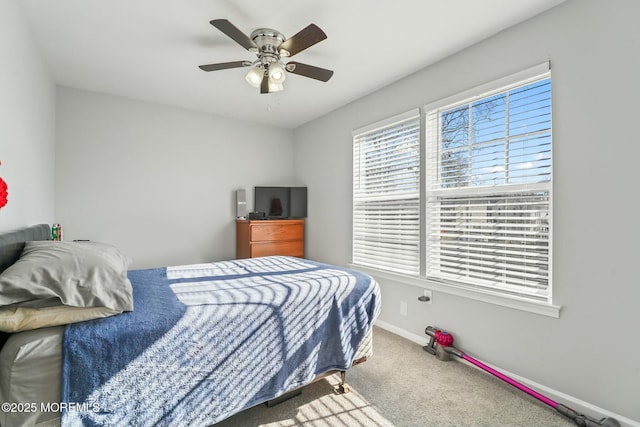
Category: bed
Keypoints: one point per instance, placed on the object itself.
(178, 345)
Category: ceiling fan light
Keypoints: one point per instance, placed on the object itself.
(275, 87)
(276, 73)
(254, 76)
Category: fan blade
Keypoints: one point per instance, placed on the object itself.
(235, 34)
(305, 38)
(225, 65)
(310, 71)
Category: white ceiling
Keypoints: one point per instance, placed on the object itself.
(150, 49)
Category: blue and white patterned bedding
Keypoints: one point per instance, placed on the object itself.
(206, 341)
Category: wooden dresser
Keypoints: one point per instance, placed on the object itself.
(256, 238)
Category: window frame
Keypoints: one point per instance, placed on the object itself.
(547, 307)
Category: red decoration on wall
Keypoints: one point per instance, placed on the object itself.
(3, 192)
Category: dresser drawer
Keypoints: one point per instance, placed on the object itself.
(276, 232)
(255, 238)
(290, 248)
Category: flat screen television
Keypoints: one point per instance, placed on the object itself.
(281, 202)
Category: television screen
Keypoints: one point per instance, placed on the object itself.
(298, 202)
(281, 202)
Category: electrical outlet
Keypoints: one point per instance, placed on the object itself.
(403, 308)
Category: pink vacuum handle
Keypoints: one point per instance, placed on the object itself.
(510, 381)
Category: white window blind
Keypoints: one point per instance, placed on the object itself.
(488, 190)
(386, 195)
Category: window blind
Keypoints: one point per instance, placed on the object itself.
(489, 190)
(386, 195)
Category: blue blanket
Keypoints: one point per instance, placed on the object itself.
(206, 341)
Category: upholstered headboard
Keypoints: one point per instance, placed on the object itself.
(11, 246)
(12, 242)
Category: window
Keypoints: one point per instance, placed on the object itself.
(489, 191)
(485, 210)
(386, 195)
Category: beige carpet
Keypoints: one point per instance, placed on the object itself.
(404, 386)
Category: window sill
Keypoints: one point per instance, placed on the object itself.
(475, 294)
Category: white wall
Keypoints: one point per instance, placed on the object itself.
(27, 123)
(156, 181)
(591, 352)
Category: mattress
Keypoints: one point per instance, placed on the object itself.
(30, 364)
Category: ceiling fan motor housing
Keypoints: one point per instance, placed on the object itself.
(269, 41)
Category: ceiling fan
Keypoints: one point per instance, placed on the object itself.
(268, 71)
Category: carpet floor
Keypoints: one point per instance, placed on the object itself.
(401, 385)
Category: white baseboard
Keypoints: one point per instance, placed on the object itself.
(578, 405)
(422, 340)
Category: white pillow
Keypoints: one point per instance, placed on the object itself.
(24, 318)
(77, 274)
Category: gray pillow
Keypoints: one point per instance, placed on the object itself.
(77, 274)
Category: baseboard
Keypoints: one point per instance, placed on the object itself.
(572, 402)
(422, 340)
